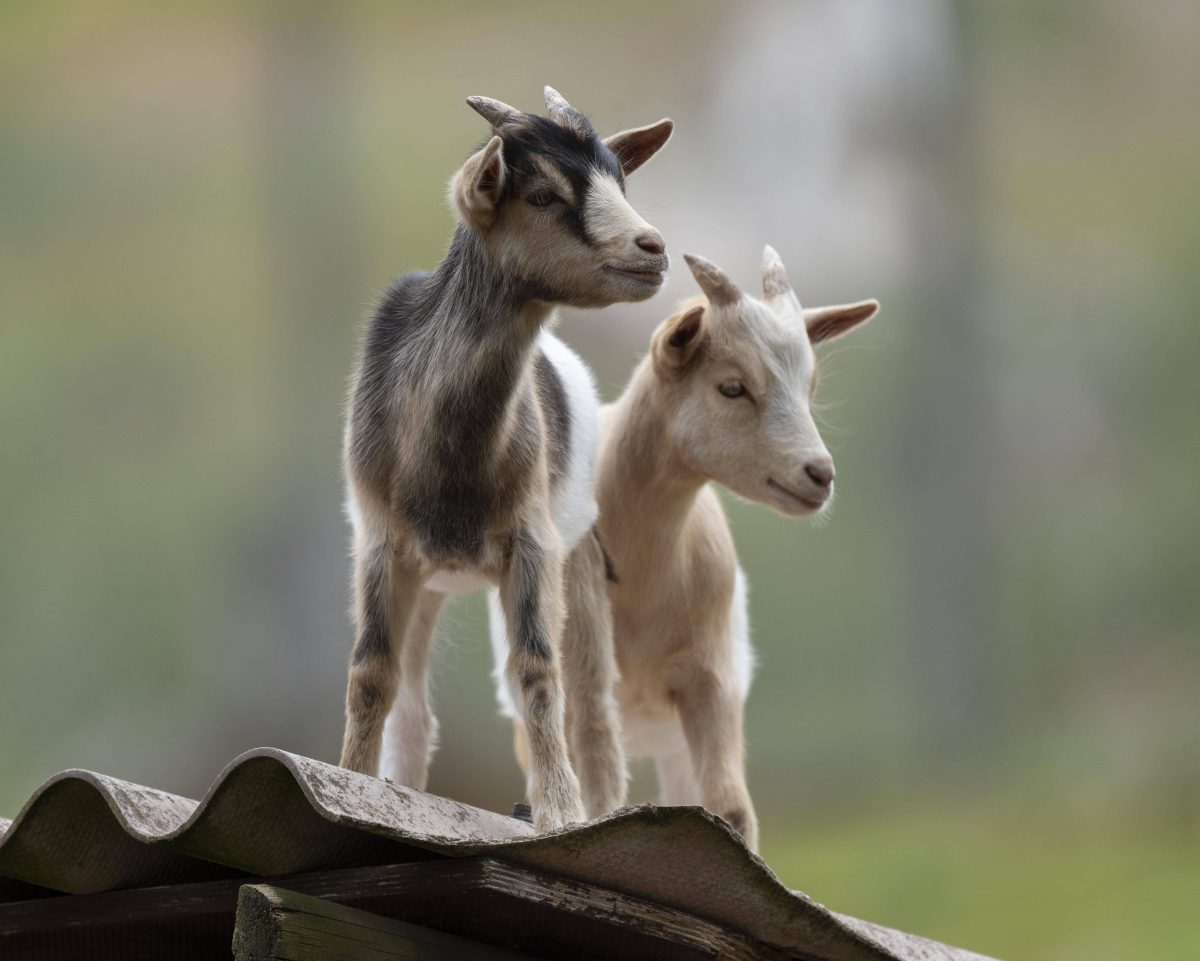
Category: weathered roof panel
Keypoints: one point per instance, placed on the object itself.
(271, 813)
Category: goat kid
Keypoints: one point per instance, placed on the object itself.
(470, 441)
(724, 396)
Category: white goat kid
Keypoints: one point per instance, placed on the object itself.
(724, 395)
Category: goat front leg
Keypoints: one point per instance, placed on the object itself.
(711, 713)
(531, 593)
(385, 593)
(410, 734)
(590, 672)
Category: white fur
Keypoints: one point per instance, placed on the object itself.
(609, 216)
(498, 634)
(401, 760)
(574, 504)
(744, 660)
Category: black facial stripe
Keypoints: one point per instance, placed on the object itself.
(573, 153)
(573, 219)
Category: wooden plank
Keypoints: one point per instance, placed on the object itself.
(633, 924)
(274, 924)
(477, 898)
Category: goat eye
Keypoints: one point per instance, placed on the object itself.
(541, 198)
(732, 389)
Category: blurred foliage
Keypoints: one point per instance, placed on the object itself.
(1003, 881)
(975, 716)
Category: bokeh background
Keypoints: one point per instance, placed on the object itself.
(976, 715)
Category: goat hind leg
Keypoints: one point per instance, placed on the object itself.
(410, 734)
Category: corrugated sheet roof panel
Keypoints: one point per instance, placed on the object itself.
(271, 813)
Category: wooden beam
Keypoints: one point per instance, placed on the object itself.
(274, 924)
(481, 899)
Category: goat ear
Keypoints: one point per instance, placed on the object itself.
(677, 338)
(634, 147)
(476, 189)
(826, 323)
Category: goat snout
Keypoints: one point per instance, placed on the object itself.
(651, 241)
(820, 471)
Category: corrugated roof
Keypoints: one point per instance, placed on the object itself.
(270, 813)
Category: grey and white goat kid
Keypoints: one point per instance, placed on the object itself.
(470, 442)
(724, 395)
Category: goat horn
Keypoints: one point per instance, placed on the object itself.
(495, 112)
(560, 111)
(774, 274)
(713, 280)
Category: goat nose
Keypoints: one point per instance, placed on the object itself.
(651, 242)
(820, 472)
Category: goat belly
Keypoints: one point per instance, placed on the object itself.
(652, 733)
(458, 582)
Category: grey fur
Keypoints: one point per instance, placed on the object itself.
(459, 435)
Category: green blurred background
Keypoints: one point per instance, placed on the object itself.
(976, 714)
